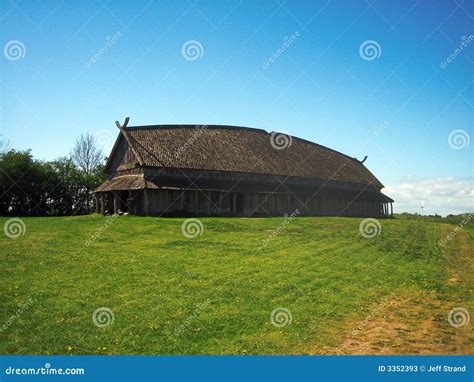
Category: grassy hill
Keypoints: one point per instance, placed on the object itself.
(331, 290)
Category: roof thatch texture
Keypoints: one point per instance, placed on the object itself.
(125, 182)
(239, 149)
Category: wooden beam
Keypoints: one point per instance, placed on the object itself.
(209, 200)
(128, 138)
(116, 203)
(102, 203)
(97, 203)
(146, 207)
(181, 201)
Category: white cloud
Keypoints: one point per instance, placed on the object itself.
(441, 196)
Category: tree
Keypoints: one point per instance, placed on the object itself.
(24, 183)
(33, 187)
(86, 154)
(61, 187)
(67, 197)
(88, 157)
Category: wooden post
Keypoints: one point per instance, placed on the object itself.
(102, 203)
(391, 209)
(167, 199)
(181, 201)
(97, 206)
(116, 203)
(145, 201)
(209, 202)
(130, 203)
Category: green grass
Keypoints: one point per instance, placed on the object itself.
(154, 279)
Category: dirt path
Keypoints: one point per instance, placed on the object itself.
(419, 324)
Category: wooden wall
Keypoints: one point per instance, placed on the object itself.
(244, 182)
(221, 203)
(120, 156)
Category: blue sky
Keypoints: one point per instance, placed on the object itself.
(398, 106)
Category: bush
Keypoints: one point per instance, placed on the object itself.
(32, 187)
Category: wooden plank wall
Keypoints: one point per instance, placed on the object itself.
(220, 203)
(122, 155)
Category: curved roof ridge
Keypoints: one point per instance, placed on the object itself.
(189, 125)
(243, 149)
(234, 127)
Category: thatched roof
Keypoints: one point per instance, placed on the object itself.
(240, 149)
(126, 182)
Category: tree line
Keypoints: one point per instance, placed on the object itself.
(64, 186)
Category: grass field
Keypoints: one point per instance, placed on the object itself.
(214, 294)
